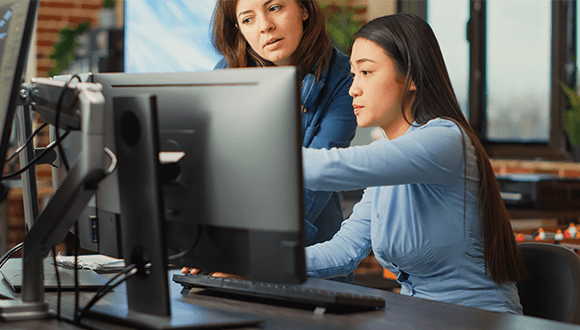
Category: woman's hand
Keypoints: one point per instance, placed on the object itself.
(186, 270)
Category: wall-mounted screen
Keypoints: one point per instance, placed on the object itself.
(168, 36)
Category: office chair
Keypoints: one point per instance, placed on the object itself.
(552, 288)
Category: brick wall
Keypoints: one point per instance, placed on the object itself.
(53, 16)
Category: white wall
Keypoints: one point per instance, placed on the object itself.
(378, 8)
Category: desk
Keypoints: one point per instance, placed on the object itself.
(561, 214)
(401, 312)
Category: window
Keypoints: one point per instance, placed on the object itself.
(168, 36)
(518, 70)
(448, 19)
(507, 73)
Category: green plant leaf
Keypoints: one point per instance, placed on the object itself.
(573, 98)
(572, 114)
(63, 51)
(573, 127)
(109, 3)
(341, 25)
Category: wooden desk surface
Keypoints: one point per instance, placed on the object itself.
(401, 312)
(543, 214)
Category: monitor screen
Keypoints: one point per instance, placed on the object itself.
(17, 19)
(176, 31)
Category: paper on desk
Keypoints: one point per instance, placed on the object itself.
(95, 262)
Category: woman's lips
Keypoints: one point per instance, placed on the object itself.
(273, 43)
(357, 108)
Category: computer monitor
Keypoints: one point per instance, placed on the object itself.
(233, 192)
(17, 18)
(239, 179)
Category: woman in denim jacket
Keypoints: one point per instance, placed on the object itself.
(256, 33)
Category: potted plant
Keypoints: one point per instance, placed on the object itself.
(63, 51)
(108, 15)
(572, 120)
(341, 25)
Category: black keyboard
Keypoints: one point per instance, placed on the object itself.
(281, 292)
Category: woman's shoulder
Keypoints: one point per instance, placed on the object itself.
(441, 123)
(438, 129)
(339, 65)
(340, 57)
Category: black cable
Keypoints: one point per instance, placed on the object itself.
(20, 171)
(106, 289)
(76, 253)
(57, 121)
(28, 140)
(10, 253)
(58, 285)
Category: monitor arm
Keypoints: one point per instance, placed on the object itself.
(83, 107)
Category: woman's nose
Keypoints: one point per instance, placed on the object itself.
(266, 24)
(354, 90)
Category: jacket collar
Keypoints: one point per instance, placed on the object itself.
(311, 87)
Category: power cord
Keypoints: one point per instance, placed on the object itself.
(33, 161)
(128, 271)
(10, 253)
(66, 165)
(57, 121)
(58, 286)
(26, 143)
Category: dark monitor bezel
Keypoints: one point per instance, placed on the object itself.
(26, 30)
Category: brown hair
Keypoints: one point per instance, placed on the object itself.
(313, 53)
(409, 41)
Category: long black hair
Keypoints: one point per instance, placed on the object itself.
(412, 46)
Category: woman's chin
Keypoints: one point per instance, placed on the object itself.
(362, 123)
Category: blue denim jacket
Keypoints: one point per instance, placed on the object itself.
(328, 121)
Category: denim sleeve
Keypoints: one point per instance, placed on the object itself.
(311, 231)
(334, 125)
(314, 202)
(221, 64)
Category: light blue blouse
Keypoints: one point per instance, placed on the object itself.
(420, 216)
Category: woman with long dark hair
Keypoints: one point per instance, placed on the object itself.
(258, 33)
(432, 212)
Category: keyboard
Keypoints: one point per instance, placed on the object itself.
(280, 292)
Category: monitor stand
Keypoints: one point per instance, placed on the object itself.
(142, 213)
(182, 316)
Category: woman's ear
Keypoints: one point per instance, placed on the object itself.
(305, 14)
(412, 87)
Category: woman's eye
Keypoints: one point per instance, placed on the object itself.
(275, 8)
(247, 20)
(364, 72)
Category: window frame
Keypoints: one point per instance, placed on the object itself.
(417, 7)
(563, 50)
(563, 68)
